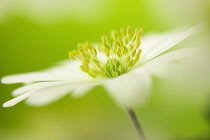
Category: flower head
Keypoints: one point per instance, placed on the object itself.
(124, 66)
(120, 55)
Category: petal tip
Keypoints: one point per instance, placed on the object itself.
(4, 80)
(7, 104)
(7, 80)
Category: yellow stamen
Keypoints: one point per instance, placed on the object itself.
(122, 55)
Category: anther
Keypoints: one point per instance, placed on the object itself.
(122, 54)
(114, 35)
(114, 73)
(131, 47)
(122, 31)
(130, 64)
(128, 32)
(86, 60)
(83, 68)
(133, 53)
(114, 61)
(120, 68)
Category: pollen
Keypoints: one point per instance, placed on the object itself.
(121, 52)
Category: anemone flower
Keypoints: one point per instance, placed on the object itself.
(123, 64)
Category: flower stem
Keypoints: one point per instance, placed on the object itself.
(136, 123)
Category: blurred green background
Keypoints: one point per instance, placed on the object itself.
(35, 34)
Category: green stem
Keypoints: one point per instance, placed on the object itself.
(136, 124)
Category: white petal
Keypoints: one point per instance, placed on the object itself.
(45, 96)
(130, 89)
(164, 65)
(32, 89)
(26, 77)
(45, 92)
(16, 100)
(154, 45)
(85, 88)
(39, 85)
(65, 72)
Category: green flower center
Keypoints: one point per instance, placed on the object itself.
(120, 55)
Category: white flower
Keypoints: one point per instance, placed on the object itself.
(124, 69)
